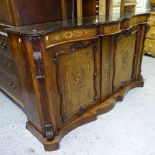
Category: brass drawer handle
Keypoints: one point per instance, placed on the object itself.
(5, 45)
(9, 64)
(10, 83)
(13, 86)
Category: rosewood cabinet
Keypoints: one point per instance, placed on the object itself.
(64, 71)
(9, 81)
(68, 74)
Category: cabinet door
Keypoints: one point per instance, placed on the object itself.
(125, 53)
(78, 76)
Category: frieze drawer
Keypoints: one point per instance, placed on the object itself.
(69, 35)
(137, 20)
(7, 64)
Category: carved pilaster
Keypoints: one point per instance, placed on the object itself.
(42, 97)
(37, 58)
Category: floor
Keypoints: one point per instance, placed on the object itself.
(129, 129)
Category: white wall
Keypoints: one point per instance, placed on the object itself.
(141, 5)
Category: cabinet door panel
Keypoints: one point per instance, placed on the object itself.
(124, 59)
(77, 76)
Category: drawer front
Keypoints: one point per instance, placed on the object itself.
(11, 86)
(149, 46)
(106, 30)
(151, 33)
(69, 35)
(151, 21)
(4, 44)
(8, 65)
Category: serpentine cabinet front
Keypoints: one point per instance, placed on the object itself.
(70, 76)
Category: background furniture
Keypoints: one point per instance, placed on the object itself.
(67, 73)
(152, 2)
(150, 38)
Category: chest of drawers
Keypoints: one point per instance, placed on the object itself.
(9, 81)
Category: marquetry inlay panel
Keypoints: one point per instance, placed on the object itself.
(76, 73)
(69, 35)
(124, 60)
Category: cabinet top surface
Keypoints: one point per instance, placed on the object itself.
(45, 28)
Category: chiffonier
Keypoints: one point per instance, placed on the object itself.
(64, 73)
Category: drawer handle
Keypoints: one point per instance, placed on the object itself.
(10, 83)
(5, 45)
(9, 64)
(13, 86)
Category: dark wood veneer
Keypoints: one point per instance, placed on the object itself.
(64, 74)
